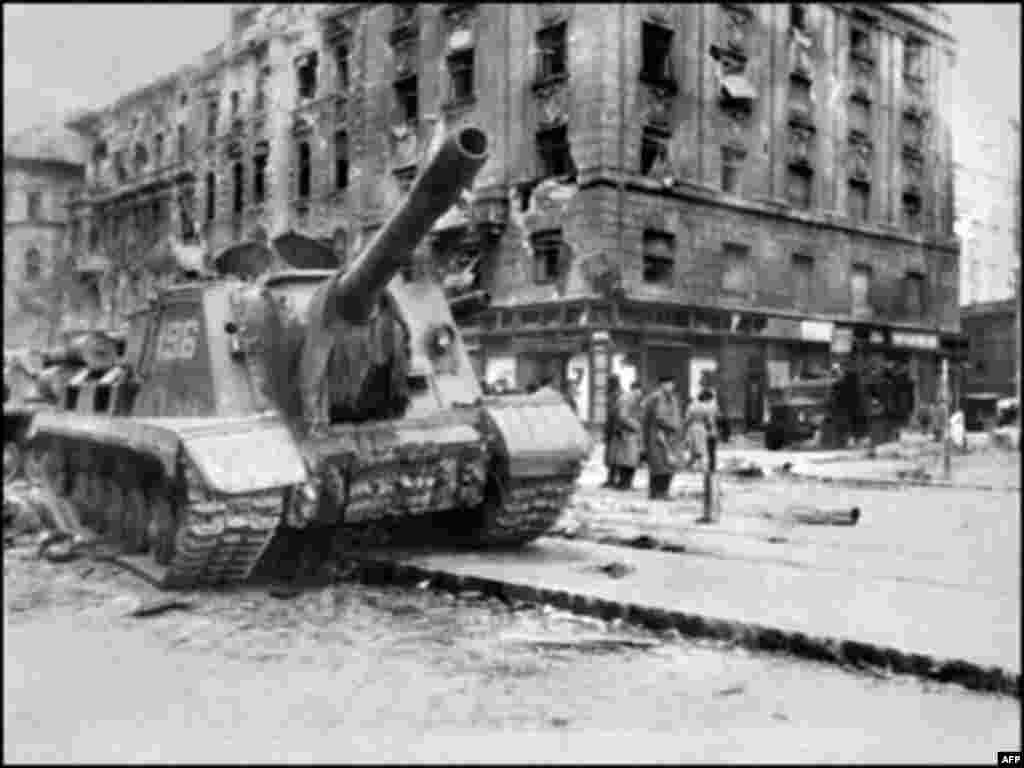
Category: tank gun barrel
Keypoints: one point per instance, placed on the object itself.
(451, 170)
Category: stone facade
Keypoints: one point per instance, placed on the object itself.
(673, 189)
(43, 167)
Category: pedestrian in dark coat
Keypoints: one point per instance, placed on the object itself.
(614, 390)
(662, 434)
(628, 436)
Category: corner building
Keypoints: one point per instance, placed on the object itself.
(742, 191)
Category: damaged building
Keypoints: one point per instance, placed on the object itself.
(733, 192)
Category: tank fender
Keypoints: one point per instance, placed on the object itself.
(537, 435)
(247, 457)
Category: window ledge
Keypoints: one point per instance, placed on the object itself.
(659, 81)
(541, 83)
(460, 105)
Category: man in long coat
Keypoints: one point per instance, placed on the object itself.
(614, 389)
(626, 442)
(662, 433)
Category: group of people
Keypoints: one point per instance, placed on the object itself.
(654, 428)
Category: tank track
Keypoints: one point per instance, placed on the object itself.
(530, 508)
(177, 543)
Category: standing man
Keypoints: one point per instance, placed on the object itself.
(611, 416)
(662, 431)
(628, 436)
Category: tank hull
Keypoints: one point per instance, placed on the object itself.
(200, 500)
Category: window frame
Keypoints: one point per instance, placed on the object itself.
(649, 43)
(802, 266)
(548, 148)
(736, 256)
(658, 269)
(341, 159)
(303, 170)
(465, 60)
(547, 246)
(407, 89)
(556, 33)
(33, 265)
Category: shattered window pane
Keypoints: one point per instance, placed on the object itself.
(547, 253)
(239, 183)
(460, 70)
(340, 160)
(657, 52)
(552, 51)
(659, 257)
(307, 76)
(554, 150)
(305, 171)
(653, 151)
(407, 95)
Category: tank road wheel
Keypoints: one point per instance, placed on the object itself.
(12, 460)
(162, 528)
(134, 527)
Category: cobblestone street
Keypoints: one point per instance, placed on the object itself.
(356, 673)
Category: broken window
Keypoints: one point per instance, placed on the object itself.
(260, 97)
(236, 103)
(798, 17)
(307, 76)
(238, 171)
(35, 205)
(653, 150)
(259, 175)
(803, 270)
(912, 212)
(551, 51)
(141, 158)
(554, 151)
(859, 200)
(182, 143)
(341, 67)
(33, 265)
(914, 298)
(656, 64)
(340, 160)
(547, 255)
(159, 219)
(799, 183)
(212, 117)
(736, 274)
(659, 257)
(305, 170)
(860, 41)
(460, 73)
(732, 167)
(408, 98)
(860, 290)
(211, 196)
(913, 57)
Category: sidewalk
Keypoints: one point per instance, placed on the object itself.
(910, 627)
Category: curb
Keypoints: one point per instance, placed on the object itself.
(864, 482)
(747, 635)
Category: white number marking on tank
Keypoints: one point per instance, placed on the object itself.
(178, 340)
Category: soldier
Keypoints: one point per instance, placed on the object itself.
(628, 436)
(662, 428)
(614, 388)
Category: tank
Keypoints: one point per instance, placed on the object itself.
(324, 405)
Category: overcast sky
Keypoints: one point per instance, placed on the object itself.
(60, 57)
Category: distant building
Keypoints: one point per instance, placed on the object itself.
(741, 190)
(991, 333)
(987, 218)
(43, 166)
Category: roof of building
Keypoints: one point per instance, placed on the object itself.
(49, 142)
